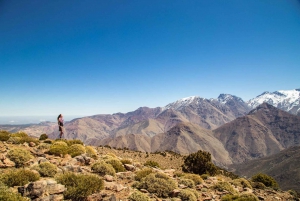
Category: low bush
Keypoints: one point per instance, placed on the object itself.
(138, 196)
(243, 197)
(14, 140)
(7, 195)
(19, 134)
(91, 152)
(48, 141)
(47, 169)
(126, 161)
(142, 173)
(19, 156)
(43, 137)
(18, 177)
(204, 176)
(151, 163)
(117, 165)
(242, 183)
(187, 182)
(196, 178)
(157, 183)
(44, 146)
(258, 185)
(4, 135)
(58, 148)
(76, 150)
(79, 186)
(267, 180)
(75, 141)
(178, 173)
(188, 195)
(221, 186)
(103, 168)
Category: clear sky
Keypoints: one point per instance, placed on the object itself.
(97, 57)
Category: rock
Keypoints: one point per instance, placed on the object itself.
(144, 190)
(32, 144)
(118, 187)
(175, 193)
(94, 197)
(108, 178)
(182, 186)
(43, 190)
(8, 163)
(129, 167)
(42, 160)
(2, 157)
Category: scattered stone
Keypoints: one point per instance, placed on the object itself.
(7, 163)
(129, 167)
(118, 187)
(32, 144)
(175, 193)
(108, 178)
(144, 190)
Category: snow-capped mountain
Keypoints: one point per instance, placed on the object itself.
(288, 100)
(177, 105)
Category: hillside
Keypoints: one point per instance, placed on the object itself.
(283, 166)
(266, 130)
(51, 169)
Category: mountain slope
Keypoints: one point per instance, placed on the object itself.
(283, 166)
(266, 130)
(287, 100)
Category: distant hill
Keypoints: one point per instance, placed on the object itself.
(283, 166)
(266, 130)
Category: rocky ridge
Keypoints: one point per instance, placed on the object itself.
(121, 186)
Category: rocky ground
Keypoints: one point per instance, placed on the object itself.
(122, 185)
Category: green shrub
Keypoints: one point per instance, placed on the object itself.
(196, 178)
(258, 185)
(7, 195)
(79, 186)
(267, 180)
(126, 161)
(14, 140)
(43, 137)
(178, 173)
(44, 146)
(103, 168)
(199, 163)
(19, 134)
(187, 195)
(58, 148)
(47, 169)
(48, 141)
(221, 186)
(4, 135)
(151, 164)
(142, 173)
(204, 176)
(243, 197)
(187, 182)
(18, 177)
(138, 196)
(19, 156)
(117, 165)
(75, 141)
(157, 183)
(76, 150)
(242, 183)
(28, 139)
(91, 152)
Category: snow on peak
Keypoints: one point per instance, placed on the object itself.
(283, 99)
(181, 102)
(224, 98)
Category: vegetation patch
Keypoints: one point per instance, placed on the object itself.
(243, 197)
(126, 161)
(224, 186)
(188, 195)
(91, 152)
(116, 164)
(267, 180)
(4, 135)
(142, 173)
(151, 163)
(47, 169)
(196, 178)
(242, 183)
(18, 177)
(19, 156)
(157, 183)
(187, 182)
(79, 186)
(76, 150)
(103, 168)
(43, 137)
(199, 163)
(138, 196)
(58, 148)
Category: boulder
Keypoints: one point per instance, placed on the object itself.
(129, 167)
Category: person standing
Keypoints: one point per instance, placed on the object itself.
(60, 122)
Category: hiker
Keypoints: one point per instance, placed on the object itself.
(60, 122)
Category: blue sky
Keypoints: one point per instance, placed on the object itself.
(99, 57)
